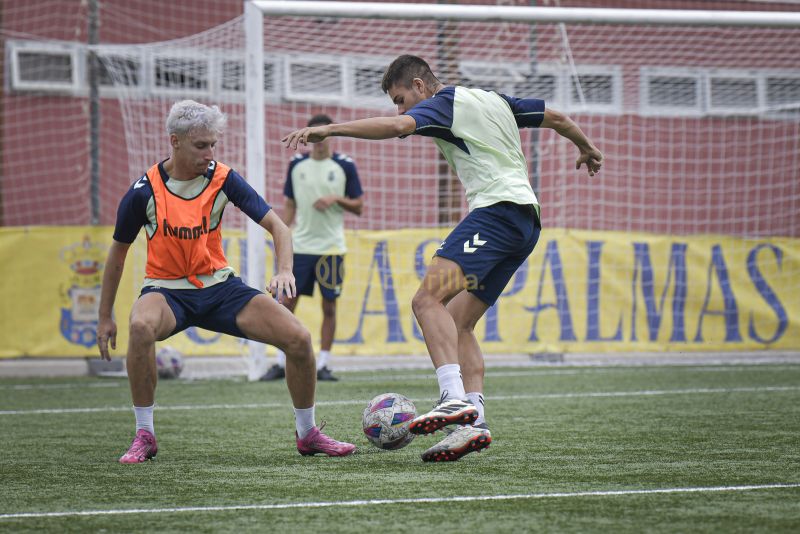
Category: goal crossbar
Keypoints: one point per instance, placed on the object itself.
(494, 13)
(673, 99)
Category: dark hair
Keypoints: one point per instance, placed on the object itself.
(319, 119)
(404, 69)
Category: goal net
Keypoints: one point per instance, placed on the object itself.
(686, 240)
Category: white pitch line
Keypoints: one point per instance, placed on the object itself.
(372, 502)
(251, 406)
(176, 407)
(651, 392)
(425, 374)
(20, 387)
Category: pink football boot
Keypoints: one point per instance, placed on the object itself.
(143, 448)
(315, 441)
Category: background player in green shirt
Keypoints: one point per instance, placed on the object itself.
(320, 186)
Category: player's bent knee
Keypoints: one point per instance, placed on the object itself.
(464, 328)
(297, 342)
(142, 331)
(464, 324)
(421, 301)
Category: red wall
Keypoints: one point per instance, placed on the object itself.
(676, 175)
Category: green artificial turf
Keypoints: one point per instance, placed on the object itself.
(558, 432)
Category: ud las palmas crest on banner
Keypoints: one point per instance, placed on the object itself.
(80, 296)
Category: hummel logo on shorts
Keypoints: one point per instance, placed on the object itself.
(476, 242)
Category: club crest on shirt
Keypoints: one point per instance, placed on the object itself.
(80, 295)
(331, 176)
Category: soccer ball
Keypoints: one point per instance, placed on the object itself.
(386, 419)
(169, 362)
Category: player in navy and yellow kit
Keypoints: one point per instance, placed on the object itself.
(188, 281)
(320, 186)
(478, 133)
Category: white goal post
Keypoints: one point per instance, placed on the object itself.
(255, 10)
(505, 13)
(694, 89)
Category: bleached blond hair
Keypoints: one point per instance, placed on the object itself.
(188, 115)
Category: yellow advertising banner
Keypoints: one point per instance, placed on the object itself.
(580, 291)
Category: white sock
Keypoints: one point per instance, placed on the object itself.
(322, 359)
(450, 383)
(304, 421)
(476, 398)
(144, 418)
(281, 356)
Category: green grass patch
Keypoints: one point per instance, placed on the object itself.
(226, 443)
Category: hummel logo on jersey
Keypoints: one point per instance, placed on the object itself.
(476, 241)
(186, 232)
(140, 182)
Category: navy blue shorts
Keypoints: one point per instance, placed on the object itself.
(213, 308)
(326, 271)
(490, 244)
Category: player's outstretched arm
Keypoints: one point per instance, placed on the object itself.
(566, 127)
(112, 274)
(283, 281)
(372, 128)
